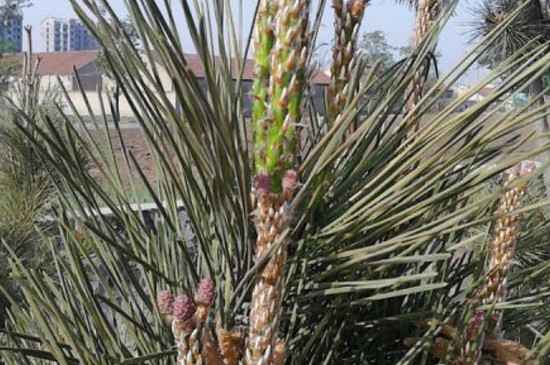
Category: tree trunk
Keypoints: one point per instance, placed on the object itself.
(542, 126)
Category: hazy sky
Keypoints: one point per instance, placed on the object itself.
(395, 20)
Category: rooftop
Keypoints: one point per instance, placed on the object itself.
(61, 63)
(195, 65)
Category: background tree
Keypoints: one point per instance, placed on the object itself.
(407, 51)
(374, 47)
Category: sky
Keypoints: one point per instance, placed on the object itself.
(385, 15)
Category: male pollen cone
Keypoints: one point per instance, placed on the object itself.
(165, 300)
(206, 292)
(183, 307)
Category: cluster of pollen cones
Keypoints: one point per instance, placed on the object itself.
(197, 342)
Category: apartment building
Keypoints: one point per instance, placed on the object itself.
(66, 35)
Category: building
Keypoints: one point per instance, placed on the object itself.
(11, 32)
(60, 66)
(319, 82)
(66, 35)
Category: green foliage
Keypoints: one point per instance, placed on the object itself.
(375, 47)
(27, 182)
(8, 69)
(407, 51)
(380, 224)
(25, 200)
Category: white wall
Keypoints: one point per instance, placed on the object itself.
(49, 84)
(94, 100)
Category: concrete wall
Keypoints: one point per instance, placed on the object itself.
(90, 78)
(51, 82)
(163, 76)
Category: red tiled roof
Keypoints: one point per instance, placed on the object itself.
(60, 63)
(486, 91)
(321, 78)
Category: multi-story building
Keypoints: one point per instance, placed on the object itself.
(11, 32)
(64, 35)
